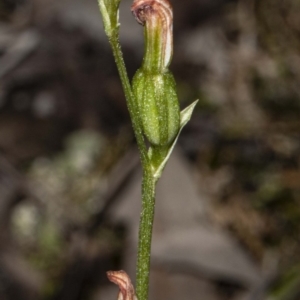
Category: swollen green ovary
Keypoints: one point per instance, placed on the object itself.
(158, 106)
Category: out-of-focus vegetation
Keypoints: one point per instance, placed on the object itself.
(248, 127)
(63, 126)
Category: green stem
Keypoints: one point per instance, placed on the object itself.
(118, 55)
(148, 184)
(145, 235)
(158, 53)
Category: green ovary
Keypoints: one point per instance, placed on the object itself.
(157, 105)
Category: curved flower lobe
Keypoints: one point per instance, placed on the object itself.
(157, 15)
(121, 279)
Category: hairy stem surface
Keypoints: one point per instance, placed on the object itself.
(145, 235)
(118, 55)
(148, 184)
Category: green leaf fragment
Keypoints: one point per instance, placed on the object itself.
(185, 116)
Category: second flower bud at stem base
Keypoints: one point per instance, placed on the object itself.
(158, 106)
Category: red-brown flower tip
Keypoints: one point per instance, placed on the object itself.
(142, 8)
(157, 17)
(123, 281)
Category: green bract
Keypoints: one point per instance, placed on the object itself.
(158, 106)
(110, 14)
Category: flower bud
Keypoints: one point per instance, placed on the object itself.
(123, 281)
(153, 84)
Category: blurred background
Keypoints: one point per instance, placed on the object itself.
(228, 208)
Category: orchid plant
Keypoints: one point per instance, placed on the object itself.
(156, 118)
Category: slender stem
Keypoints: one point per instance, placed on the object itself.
(148, 184)
(145, 235)
(118, 55)
(159, 49)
